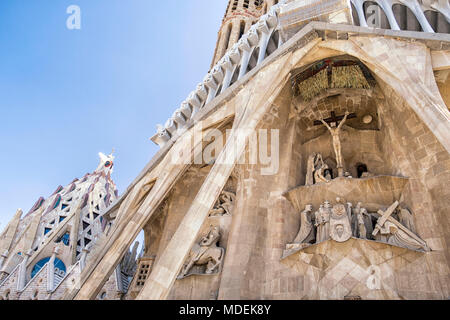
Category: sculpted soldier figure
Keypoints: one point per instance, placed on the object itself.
(306, 233)
(319, 224)
(326, 215)
(361, 224)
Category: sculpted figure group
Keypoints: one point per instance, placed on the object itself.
(224, 205)
(342, 221)
(318, 170)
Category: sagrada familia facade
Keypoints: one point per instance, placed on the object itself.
(312, 162)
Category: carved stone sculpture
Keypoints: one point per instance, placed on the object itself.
(319, 174)
(311, 168)
(319, 224)
(326, 216)
(306, 233)
(406, 218)
(205, 254)
(340, 222)
(317, 170)
(391, 231)
(362, 224)
(224, 205)
(340, 229)
(354, 219)
(335, 134)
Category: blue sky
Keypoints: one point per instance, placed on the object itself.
(67, 94)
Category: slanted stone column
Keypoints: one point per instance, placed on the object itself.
(22, 281)
(3, 258)
(51, 270)
(83, 257)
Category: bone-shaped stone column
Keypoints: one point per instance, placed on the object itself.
(246, 47)
(386, 5)
(3, 258)
(226, 65)
(212, 86)
(51, 270)
(359, 6)
(22, 281)
(414, 6)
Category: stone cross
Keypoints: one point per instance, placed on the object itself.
(334, 120)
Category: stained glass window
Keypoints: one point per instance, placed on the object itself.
(38, 266)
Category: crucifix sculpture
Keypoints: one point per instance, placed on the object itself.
(334, 125)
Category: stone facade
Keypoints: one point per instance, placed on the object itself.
(353, 204)
(375, 186)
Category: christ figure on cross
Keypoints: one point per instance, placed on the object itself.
(337, 141)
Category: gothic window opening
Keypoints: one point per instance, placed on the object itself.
(41, 263)
(258, 3)
(437, 21)
(246, 3)
(65, 238)
(242, 29)
(227, 39)
(235, 4)
(57, 202)
(47, 230)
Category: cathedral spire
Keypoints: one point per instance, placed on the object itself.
(239, 17)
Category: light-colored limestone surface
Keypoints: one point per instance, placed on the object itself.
(363, 215)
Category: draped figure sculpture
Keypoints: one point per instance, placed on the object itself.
(306, 233)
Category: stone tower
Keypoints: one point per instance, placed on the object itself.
(239, 17)
(44, 249)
